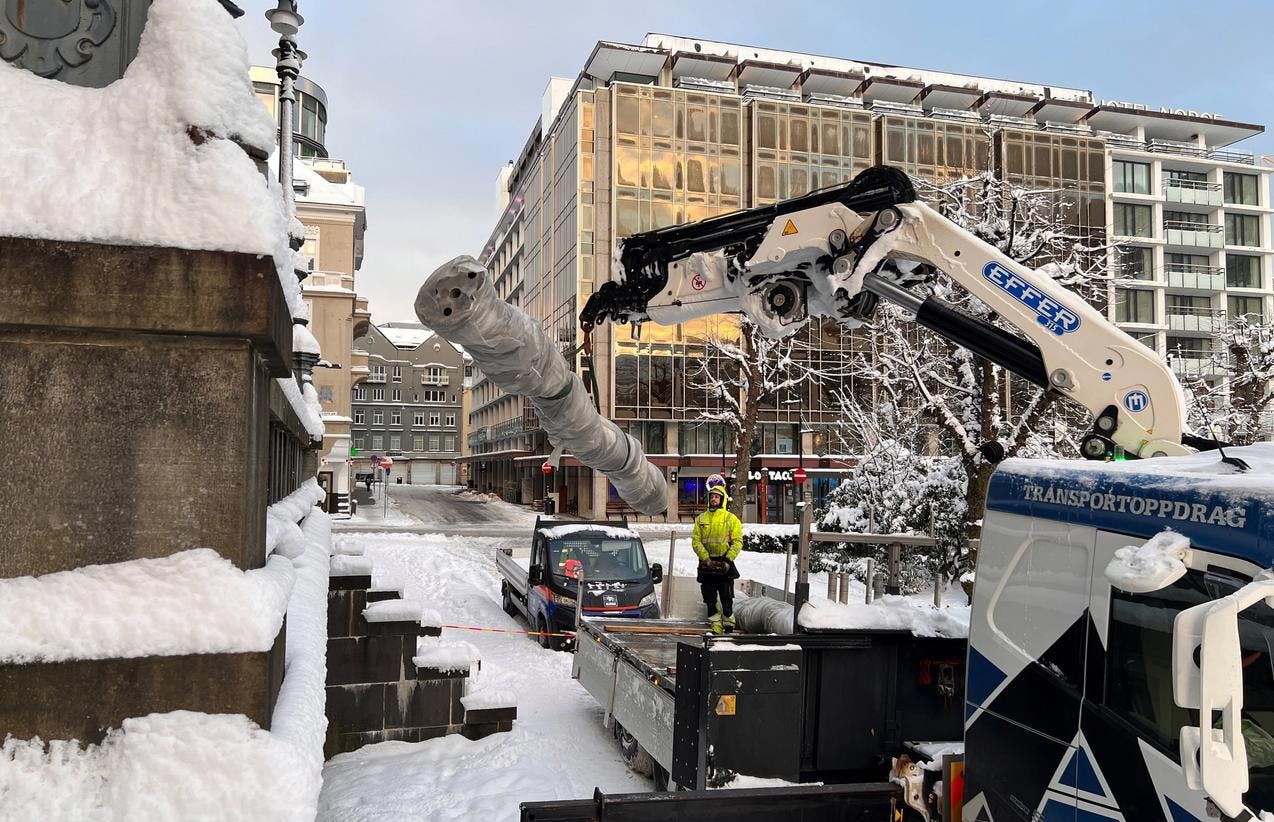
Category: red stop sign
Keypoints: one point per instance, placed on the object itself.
(546, 468)
(799, 475)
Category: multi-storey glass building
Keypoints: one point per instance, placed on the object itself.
(675, 130)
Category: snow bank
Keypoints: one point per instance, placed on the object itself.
(1158, 562)
(446, 655)
(282, 534)
(488, 699)
(392, 610)
(192, 602)
(560, 531)
(745, 781)
(429, 618)
(889, 613)
(121, 165)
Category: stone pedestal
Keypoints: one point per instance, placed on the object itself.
(136, 419)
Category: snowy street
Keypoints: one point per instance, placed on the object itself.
(436, 509)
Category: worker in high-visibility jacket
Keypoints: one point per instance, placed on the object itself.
(717, 539)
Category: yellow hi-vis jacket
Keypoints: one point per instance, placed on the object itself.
(717, 533)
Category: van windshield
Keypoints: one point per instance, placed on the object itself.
(597, 557)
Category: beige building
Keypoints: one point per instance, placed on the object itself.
(330, 206)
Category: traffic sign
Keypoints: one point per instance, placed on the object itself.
(547, 468)
(799, 475)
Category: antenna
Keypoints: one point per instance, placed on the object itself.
(1237, 462)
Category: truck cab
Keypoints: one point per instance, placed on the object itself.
(1086, 685)
(609, 561)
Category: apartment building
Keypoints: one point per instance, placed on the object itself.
(674, 130)
(410, 407)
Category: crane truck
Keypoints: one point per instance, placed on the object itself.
(1119, 657)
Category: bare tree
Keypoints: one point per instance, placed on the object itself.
(969, 400)
(1243, 358)
(745, 374)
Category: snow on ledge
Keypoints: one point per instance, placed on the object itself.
(308, 413)
(192, 602)
(392, 610)
(488, 699)
(559, 531)
(343, 565)
(889, 613)
(124, 156)
(445, 655)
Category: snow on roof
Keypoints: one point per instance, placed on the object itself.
(406, 337)
(889, 613)
(319, 189)
(191, 602)
(559, 531)
(143, 160)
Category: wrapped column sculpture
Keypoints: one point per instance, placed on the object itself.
(513, 351)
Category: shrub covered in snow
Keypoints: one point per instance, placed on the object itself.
(896, 491)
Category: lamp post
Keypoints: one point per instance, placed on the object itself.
(286, 22)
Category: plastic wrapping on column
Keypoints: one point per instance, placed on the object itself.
(762, 615)
(512, 350)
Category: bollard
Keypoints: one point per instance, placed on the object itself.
(869, 579)
(844, 587)
(831, 585)
(937, 588)
(894, 584)
(665, 604)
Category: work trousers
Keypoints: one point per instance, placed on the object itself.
(722, 587)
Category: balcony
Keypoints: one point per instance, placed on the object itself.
(1194, 150)
(1193, 366)
(1196, 277)
(1191, 192)
(429, 379)
(1193, 235)
(1206, 320)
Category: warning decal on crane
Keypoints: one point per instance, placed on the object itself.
(789, 229)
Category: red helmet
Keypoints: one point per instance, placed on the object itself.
(573, 569)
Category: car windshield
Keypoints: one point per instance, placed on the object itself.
(598, 558)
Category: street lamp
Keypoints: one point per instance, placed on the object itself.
(286, 22)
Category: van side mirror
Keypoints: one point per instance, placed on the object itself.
(535, 575)
(656, 572)
(1214, 759)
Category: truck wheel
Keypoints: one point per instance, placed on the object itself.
(506, 599)
(635, 756)
(545, 640)
(662, 777)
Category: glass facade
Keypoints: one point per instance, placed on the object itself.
(798, 148)
(1128, 177)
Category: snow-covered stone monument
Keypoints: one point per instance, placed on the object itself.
(162, 624)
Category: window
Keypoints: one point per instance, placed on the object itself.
(1249, 308)
(1132, 220)
(418, 419)
(1138, 680)
(359, 416)
(433, 442)
(358, 392)
(396, 443)
(1193, 348)
(449, 421)
(434, 420)
(1136, 263)
(378, 442)
(1147, 338)
(435, 396)
(378, 395)
(396, 395)
(1242, 271)
(396, 417)
(1184, 219)
(398, 373)
(1242, 229)
(1240, 189)
(358, 443)
(418, 442)
(449, 442)
(1134, 305)
(378, 418)
(378, 373)
(1130, 178)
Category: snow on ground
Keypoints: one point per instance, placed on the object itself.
(557, 748)
(382, 512)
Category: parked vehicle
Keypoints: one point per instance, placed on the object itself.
(611, 561)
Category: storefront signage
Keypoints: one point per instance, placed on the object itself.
(772, 475)
(1184, 112)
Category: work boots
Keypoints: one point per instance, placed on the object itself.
(727, 624)
(716, 620)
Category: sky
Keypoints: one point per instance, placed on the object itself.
(428, 99)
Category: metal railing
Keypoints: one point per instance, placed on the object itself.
(1192, 366)
(1197, 185)
(1181, 149)
(376, 376)
(1183, 232)
(428, 379)
(1191, 192)
(1186, 318)
(1185, 275)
